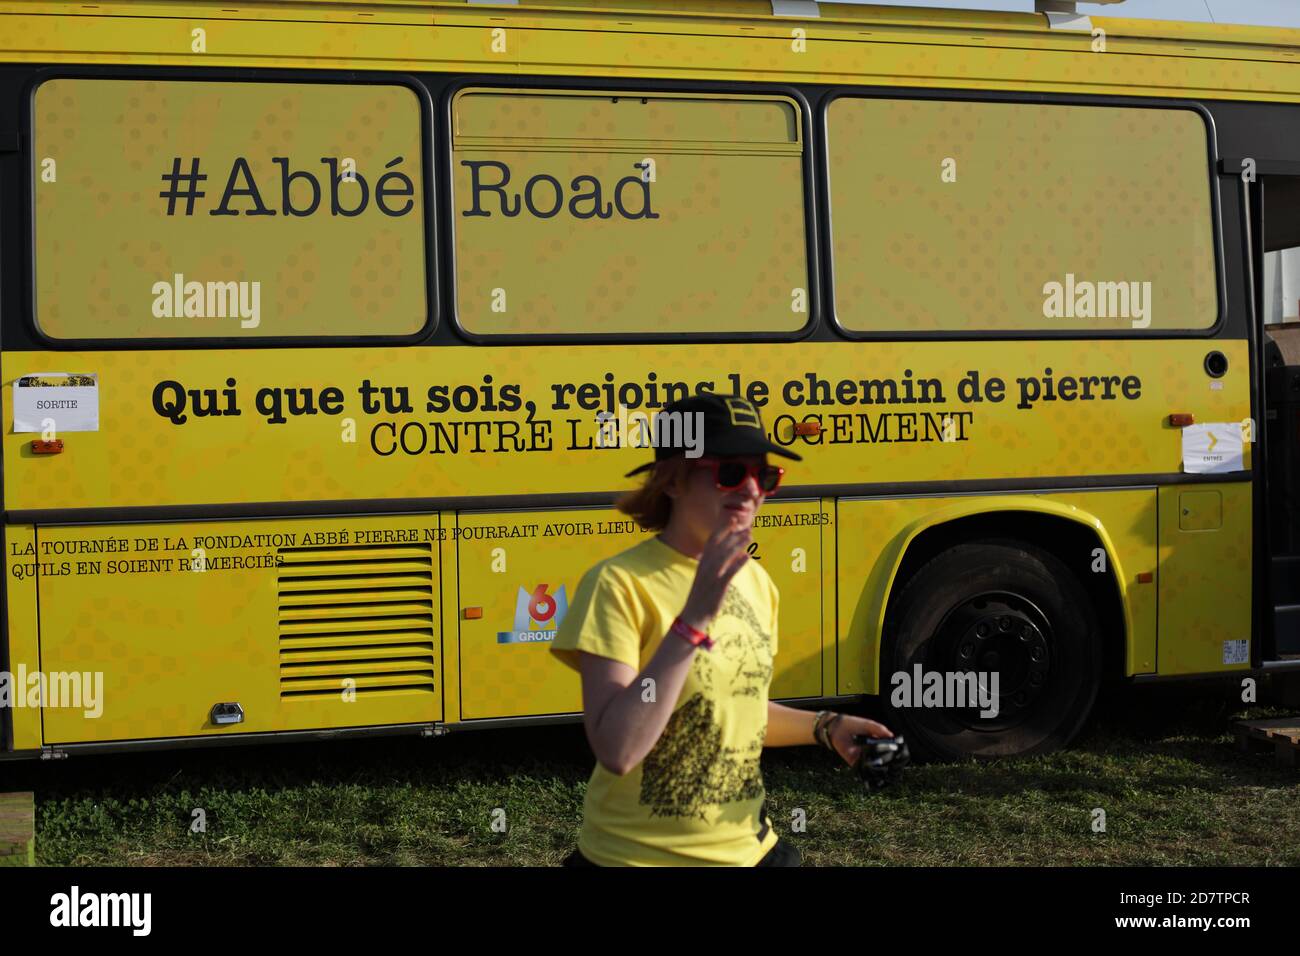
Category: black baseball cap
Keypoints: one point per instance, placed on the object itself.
(732, 427)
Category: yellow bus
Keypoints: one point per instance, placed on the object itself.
(329, 331)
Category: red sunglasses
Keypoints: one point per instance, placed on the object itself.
(729, 474)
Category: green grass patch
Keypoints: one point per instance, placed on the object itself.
(1161, 762)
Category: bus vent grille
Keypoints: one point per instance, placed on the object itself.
(356, 618)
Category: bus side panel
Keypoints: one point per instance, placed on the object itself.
(140, 458)
(304, 623)
(1127, 524)
(1205, 578)
(710, 47)
(830, 594)
(520, 569)
(24, 653)
(788, 542)
(449, 614)
(873, 536)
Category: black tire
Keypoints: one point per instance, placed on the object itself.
(1048, 659)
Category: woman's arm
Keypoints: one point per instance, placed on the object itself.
(788, 727)
(623, 714)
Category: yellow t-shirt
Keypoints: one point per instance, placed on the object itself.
(697, 797)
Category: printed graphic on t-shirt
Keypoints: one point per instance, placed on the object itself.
(689, 771)
(748, 648)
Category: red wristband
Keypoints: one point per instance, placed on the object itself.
(691, 635)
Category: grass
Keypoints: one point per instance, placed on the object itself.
(1160, 761)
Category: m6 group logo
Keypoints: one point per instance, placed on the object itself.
(537, 616)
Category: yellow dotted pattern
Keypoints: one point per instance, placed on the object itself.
(516, 679)
(1037, 193)
(103, 238)
(511, 680)
(725, 253)
(706, 40)
(1201, 580)
(139, 458)
(1205, 582)
(171, 643)
(24, 627)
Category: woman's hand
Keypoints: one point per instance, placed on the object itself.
(844, 730)
(724, 554)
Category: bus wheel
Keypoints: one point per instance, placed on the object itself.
(1016, 617)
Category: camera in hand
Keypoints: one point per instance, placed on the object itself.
(881, 761)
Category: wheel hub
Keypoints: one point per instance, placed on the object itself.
(997, 634)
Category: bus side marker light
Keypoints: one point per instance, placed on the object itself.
(807, 428)
(1181, 419)
(1146, 577)
(52, 447)
(473, 613)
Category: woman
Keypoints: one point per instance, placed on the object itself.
(674, 640)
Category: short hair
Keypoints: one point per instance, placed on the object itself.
(650, 506)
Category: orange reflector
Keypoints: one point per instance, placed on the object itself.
(47, 447)
(473, 613)
(1146, 577)
(807, 428)
(1181, 419)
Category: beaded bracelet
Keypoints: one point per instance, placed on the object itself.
(819, 728)
(822, 728)
(830, 725)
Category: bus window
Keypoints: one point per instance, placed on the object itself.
(958, 216)
(598, 212)
(200, 209)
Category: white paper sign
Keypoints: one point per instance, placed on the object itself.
(1212, 448)
(56, 402)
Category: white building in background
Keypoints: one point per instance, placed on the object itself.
(1282, 286)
